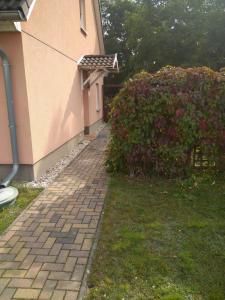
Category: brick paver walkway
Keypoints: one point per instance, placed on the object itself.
(44, 254)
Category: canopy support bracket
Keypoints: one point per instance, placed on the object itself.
(97, 74)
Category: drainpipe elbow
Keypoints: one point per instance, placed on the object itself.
(9, 178)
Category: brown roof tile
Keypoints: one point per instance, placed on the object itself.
(108, 62)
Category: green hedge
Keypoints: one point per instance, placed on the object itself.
(157, 121)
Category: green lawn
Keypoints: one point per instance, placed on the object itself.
(161, 240)
(9, 213)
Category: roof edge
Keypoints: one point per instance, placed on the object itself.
(98, 18)
(18, 12)
(106, 63)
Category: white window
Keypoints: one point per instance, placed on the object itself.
(82, 15)
(97, 97)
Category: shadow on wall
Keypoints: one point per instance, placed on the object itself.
(72, 107)
(11, 43)
(66, 123)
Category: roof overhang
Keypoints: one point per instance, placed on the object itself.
(12, 15)
(7, 26)
(15, 10)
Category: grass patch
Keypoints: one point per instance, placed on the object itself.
(161, 240)
(9, 213)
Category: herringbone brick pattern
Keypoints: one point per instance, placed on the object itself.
(44, 254)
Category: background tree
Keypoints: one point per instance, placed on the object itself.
(149, 34)
(115, 16)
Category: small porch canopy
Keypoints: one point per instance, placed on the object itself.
(97, 66)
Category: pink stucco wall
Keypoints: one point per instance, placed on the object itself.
(11, 43)
(93, 114)
(47, 79)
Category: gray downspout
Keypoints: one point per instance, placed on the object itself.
(11, 116)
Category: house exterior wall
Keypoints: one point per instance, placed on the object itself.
(93, 114)
(49, 100)
(51, 49)
(11, 43)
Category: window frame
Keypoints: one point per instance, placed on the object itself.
(83, 20)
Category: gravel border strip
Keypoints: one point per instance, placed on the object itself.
(50, 175)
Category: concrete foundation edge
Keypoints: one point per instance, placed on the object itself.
(32, 172)
(92, 128)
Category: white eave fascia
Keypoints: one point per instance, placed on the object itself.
(98, 19)
(115, 63)
(18, 26)
(80, 59)
(31, 9)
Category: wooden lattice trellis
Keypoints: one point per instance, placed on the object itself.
(200, 160)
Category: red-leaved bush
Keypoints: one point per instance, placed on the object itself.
(157, 120)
